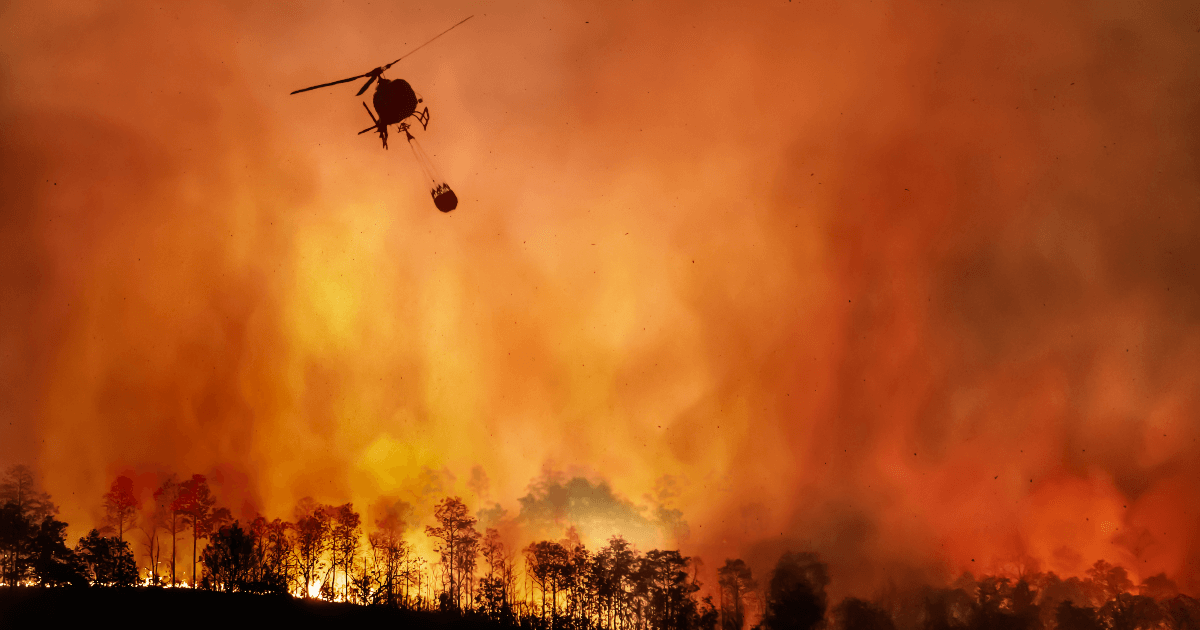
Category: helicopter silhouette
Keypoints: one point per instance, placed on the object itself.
(395, 102)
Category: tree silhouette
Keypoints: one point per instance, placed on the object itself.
(858, 614)
(312, 533)
(22, 507)
(577, 576)
(796, 596)
(736, 582)
(1183, 612)
(344, 534)
(108, 559)
(54, 563)
(392, 556)
(569, 588)
(18, 488)
(666, 589)
(1053, 591)
(615, 588)
(1071, 617)
(465, 562)
(120, 505)
(948, 608)
(546, 561)
(195, 503)
(15, 530)
(388, 550)
(1127, 611)
(1003, 606)
(1110, 580)
(159, 517)
(274, 552)
(1159, 586)
(458, 543)
(230, 559)
(614, 568)
(167, 515)
(493, 593)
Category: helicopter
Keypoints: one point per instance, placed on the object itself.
(395, 102)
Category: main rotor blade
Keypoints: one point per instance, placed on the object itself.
(428, 42)
(333, 83)
(366, 85)
(374, 74)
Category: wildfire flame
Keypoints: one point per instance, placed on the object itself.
(910, 286)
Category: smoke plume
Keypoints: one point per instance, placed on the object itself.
(909, 286)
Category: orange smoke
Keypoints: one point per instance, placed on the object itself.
(909, 286)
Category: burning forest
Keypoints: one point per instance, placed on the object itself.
(863, 314)
(326, 552)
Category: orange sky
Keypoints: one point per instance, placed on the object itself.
(914, 287)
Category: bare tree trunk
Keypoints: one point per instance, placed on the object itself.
(174, 535)
(195, 533)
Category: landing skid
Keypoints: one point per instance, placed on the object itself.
(421, 116)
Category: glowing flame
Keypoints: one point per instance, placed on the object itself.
(910, 287)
